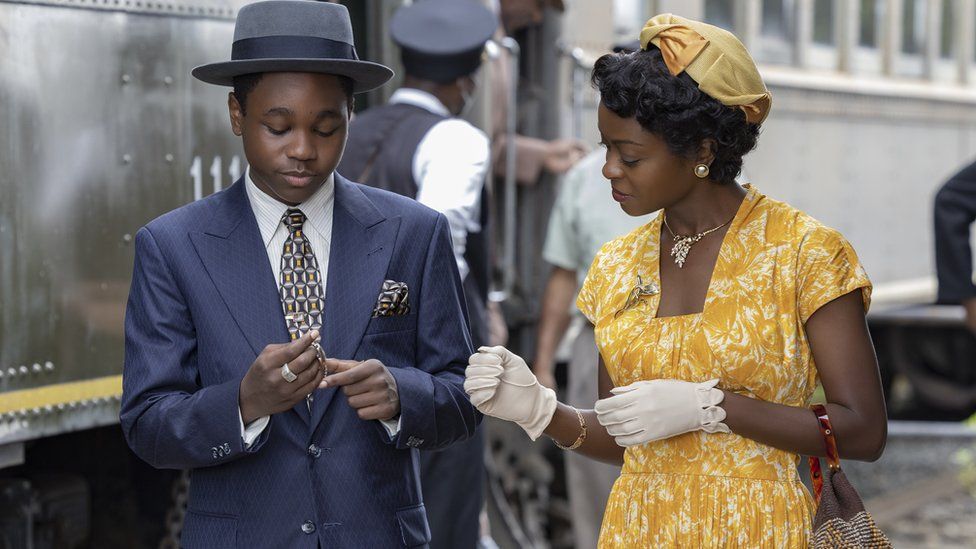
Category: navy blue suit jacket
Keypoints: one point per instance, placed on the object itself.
(203, 304)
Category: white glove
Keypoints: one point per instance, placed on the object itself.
(653, 410)
(501, 385)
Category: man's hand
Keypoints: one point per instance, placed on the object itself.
(264, 391)
(562, 154)
(368, 385)
(970, 306)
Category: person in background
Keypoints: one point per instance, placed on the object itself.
(533, 155)
(418, 146)
(955, 211)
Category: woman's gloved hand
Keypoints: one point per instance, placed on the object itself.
(501, 385)
(662, 408)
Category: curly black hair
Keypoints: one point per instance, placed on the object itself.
(245, 84)
(640, 85)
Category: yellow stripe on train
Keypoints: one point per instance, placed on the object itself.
(61, 393)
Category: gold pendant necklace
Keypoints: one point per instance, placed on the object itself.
(683, 243)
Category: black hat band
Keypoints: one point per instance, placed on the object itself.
(292, 47)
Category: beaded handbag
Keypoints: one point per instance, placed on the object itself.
(841, 521)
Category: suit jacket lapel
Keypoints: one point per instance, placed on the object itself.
(233, 253)
(362, 244)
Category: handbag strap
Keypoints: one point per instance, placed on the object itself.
(830, 445)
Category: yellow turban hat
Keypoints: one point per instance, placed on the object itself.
(714, 58)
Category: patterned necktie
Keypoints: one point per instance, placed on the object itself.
(301, 288)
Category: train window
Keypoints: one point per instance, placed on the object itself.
(823, 22)
(821, 52)
(867, 55)
(914, 34)
(777, 31)
(947, 46)
(777, 18)
(720, 13)
(944, 67)
(913, 19)
(872, 17)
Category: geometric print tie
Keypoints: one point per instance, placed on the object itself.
(301, 288)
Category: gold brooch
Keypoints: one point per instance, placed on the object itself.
(640, 290)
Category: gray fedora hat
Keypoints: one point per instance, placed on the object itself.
(294, 36)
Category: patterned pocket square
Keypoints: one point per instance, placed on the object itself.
(394, 299)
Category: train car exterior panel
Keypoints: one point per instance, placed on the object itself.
(104, 129)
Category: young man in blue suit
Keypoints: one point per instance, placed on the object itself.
(296, 338)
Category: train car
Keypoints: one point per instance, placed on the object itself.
(103, 129)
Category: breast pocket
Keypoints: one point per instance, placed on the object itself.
(386, 324)
(390, 339)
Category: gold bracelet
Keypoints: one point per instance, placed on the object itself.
(580, 438)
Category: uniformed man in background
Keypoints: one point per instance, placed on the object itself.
(418, 146)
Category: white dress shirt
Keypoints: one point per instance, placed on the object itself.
(450, 166)
(318, 210)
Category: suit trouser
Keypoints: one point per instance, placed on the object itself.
(955, 210)
(453, 479)
(589, 481)
(453, 482)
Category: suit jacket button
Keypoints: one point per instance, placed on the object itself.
(314, 451)
(308, 527)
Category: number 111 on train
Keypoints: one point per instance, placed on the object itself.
(216, 173)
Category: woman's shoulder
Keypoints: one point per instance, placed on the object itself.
(784, 223)
(626, 249)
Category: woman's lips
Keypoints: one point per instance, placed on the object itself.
(620, 197)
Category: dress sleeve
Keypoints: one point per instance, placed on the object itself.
(828, 268)
(588, 301)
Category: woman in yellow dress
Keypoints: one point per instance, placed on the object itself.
(714, 322)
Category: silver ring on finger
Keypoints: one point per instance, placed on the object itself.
(287, 373)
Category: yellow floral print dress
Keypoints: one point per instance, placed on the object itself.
(776, 267)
